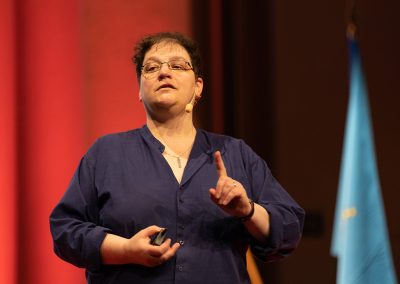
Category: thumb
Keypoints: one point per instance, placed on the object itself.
(149, 231)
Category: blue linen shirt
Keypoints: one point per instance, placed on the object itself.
(124, 184)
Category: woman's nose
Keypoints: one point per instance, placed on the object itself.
(164, 70)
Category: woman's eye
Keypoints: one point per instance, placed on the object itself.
(151, 67)
(178, 65)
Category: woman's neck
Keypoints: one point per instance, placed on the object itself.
(177, 128)
(177, 135)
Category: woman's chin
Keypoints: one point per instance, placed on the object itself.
(163, 106)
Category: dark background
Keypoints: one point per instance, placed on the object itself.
(285, 92)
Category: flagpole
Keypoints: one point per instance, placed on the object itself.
(350, 17)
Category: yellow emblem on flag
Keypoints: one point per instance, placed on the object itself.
(349, 213)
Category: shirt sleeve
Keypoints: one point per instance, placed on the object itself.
(77, 237)
(285, 215)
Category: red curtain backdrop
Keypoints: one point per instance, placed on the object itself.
(66, 78)
(50, 128)
(8, 148)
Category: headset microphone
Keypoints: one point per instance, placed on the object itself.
(189, 106)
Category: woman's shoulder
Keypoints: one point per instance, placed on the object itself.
(118, 136)
(213, 136)
(225, 142)
(112, 142)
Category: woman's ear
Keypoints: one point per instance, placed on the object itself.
(199, 88)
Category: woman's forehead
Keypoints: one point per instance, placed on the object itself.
(166, 49)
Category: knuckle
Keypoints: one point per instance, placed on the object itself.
(153, 228)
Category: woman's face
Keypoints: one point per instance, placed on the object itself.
(168, 89)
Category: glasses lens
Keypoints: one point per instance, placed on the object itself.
(151, 67)
(179, 65)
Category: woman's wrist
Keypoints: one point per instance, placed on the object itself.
(250, 214)
(114, 250)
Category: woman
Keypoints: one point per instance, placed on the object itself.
(212, 193)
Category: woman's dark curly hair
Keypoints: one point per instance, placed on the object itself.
(146, 43)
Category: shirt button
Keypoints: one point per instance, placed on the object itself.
(179, 267)
(181, 243)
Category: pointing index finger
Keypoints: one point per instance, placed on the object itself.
(219, 163)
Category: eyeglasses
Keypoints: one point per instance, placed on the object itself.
(150, 69)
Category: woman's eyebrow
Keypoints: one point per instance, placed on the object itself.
(155, 58)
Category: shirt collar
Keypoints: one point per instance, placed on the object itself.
(202, 143)
(148, 136)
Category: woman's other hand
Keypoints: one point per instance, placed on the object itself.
(137, 249)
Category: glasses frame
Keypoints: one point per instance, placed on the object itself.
(149, 75)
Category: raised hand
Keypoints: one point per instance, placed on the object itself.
(228, 193)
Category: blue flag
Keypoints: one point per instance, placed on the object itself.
(360, 238)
